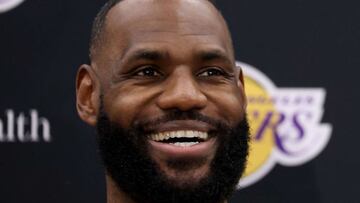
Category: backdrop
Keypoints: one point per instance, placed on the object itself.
(301, 59)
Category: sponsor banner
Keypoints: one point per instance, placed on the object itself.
(285, 122)
(24, 128)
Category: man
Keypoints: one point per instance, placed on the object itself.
(167, 100)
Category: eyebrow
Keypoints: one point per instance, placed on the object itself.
(215, 54)
(146, 54)
(156, 55)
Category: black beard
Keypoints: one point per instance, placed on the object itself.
(127, 161)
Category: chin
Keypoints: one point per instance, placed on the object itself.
(187, 178)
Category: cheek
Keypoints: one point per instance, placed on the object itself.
(126, 104)
(229, 104)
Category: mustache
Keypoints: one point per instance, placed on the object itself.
(175, 115)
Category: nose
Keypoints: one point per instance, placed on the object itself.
(181, 92)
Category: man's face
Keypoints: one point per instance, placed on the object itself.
(166, 70)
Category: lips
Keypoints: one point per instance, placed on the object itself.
(182, 139)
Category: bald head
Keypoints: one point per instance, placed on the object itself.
(100, 22)
(160, 66)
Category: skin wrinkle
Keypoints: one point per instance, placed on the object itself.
(164, 11)
(190, 49)
(117, 141)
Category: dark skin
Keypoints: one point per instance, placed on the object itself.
(163, 55)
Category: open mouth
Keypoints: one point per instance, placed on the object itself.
(182, 138)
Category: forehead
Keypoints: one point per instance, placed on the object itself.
(186, 24)
(175, 10)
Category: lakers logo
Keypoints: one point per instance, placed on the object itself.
(285, 124)
(6, 5)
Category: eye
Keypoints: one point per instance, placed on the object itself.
(211, 72)
(148, 71)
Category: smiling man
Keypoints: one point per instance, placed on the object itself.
(167, 100)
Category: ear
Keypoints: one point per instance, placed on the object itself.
(87, 94)
(241, 85)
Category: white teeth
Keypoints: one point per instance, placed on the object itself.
(190, 134)
(203, 135)
(184, 144)
(173, 134)
(158, 136)
(179, 134)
